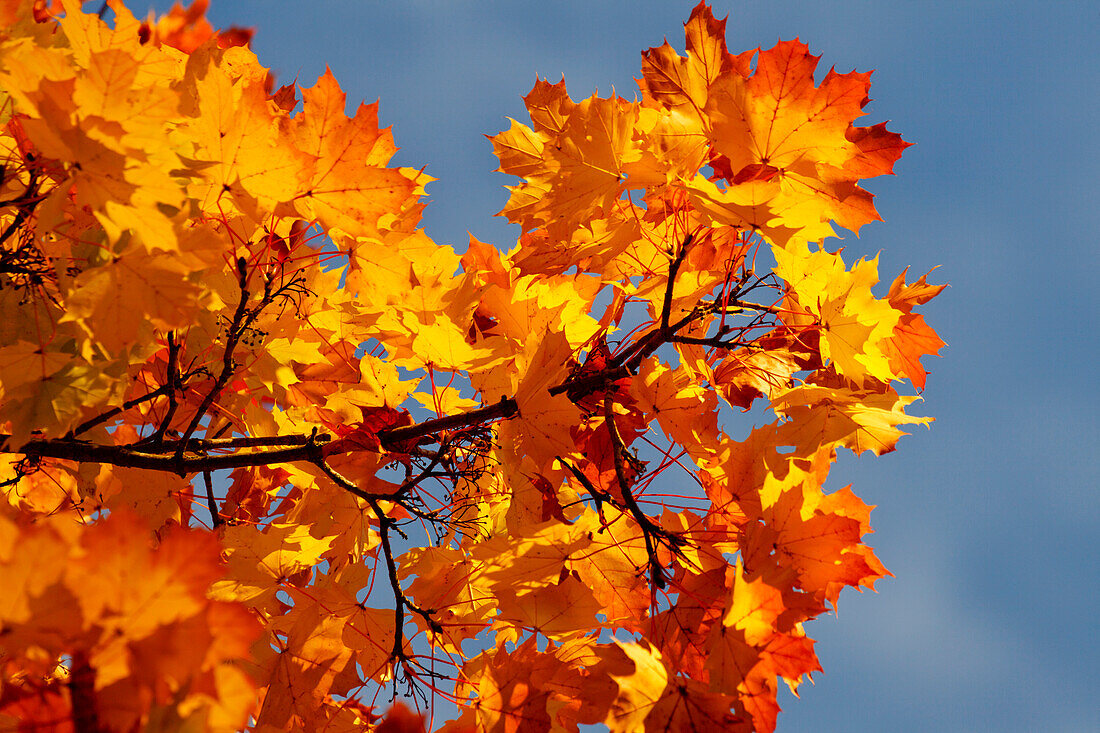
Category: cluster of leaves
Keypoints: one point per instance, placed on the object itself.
(270, 451)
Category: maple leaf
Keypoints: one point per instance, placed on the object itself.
(683, 84)
(822, 545)
(612, 564)
(556, 611)
(172, 584)
(684, 410)
(754, 608)
(399, 719)
(912, 337)
(454, 584)
(257, 557)
(542, 428)
(524, 689)
(639, 690)
(779, 118)
(363, 435)
(860, 420)
(52, 487)
(187, 28)
(347, 186)
(853, 323)
(574, 171)
(746, 374)
(138, 616)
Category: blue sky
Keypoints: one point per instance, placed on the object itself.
(988, 520)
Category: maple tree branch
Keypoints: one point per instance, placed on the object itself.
(205, 444)
(656, 572)
(115, 411)
(735, 303)
(85, 715)
(401, 495)
(190, 455)
(714, 342)
(401, 601)
(168, 457)
(578, 388)
(128, 457)
(243, 318)
(650, 529)
(233, 335)
(673, 269)
(598, 496)
(393, 438)
(29, 196)
(215, 513)
(627, 363)
(174, 385)
(318, 459)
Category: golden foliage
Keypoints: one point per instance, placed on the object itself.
(268, 448)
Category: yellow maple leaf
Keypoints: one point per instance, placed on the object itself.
(236, 128)
(853, 323)
(555, 610)
(135, 590)
(862, 420)
(753, 608)
(686, 412)
(452, 583)
(583, 166)
(639, 690)
(542, 428)
(261, 558)
(121, 302)
(347, 186)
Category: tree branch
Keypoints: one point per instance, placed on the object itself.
(393, 438)
(233, 335)
(401, 601)
(650, 529)
(673, 269)
(211, 503)
(173, 385)
(29, 196)
(188, 456)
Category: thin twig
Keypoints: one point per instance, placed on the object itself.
(29, 196)
(211, 503)
(174, 385)
(233, 335)
(115, 411)
(401, 601)
(648, 526)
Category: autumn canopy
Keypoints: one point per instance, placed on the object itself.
(270, 455)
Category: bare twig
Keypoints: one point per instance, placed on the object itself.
(650, 529)
(215, 513)
(174, 385)
(401, 601)
(233, 335)
(29, 196)
(115, 411)
(673, 269)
